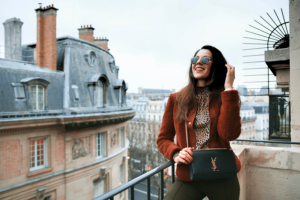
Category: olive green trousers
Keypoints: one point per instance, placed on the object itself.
(218, 189)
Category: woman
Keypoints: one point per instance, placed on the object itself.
(210, 107)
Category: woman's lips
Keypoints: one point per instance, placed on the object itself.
(199, 69)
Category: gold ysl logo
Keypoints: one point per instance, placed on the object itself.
(213, 162)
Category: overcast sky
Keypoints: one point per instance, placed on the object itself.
(153, 40)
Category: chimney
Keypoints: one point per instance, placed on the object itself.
(140, 90)
(13, 38)
(102, 42)
(46, 37)
(86, 33)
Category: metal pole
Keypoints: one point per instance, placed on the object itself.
(132, 192)
(173, 173)
(148, 189)
(161, 184)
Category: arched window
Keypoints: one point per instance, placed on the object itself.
(99, 94)
(98, 84)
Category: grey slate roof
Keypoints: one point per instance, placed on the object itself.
(155, 91)
(74, 71)
(242, 90)
(246, 106)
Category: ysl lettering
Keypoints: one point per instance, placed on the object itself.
(213, 162)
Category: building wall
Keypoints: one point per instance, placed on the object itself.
(64, 177)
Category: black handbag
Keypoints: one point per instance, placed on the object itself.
(214, 163)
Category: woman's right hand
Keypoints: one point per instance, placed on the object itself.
(184, 156)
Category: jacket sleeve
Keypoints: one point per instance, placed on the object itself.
(229, 123)
(165, 140)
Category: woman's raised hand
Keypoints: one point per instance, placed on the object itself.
(230, 76)
(184, 156)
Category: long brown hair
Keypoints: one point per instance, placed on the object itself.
(187, 95)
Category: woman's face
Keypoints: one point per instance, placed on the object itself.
(201, 71)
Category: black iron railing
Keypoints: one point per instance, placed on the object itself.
(110, 195)
(268, 141)
(130, 185)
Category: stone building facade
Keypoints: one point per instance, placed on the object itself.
(62, 130)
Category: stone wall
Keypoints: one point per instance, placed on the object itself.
(268, 172)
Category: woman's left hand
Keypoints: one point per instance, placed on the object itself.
(230, 76)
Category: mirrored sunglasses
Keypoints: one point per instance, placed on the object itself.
(204, 60)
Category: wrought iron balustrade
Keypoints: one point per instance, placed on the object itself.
(110, 195)
(130, 185)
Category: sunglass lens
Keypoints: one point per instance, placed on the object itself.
(194, 60)
(205, 60)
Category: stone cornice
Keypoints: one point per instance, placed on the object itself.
(69, 121)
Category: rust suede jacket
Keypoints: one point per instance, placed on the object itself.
(225, 125)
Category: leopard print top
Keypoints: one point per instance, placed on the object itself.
(201, 122)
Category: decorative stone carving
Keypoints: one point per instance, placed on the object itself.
(102, 172)
(113, 139)
(90, 58)
(80, 148)
(40, 193)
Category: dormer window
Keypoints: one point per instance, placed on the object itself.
(121, 87)
(100, 93)
(37, 97)
(98, 84)
(36, 92)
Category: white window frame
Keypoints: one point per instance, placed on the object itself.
(45, 149)
(37, 97)
(101, 151)
(99, 94)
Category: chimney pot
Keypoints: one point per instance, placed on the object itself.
(81, 26)
(84, 26)
(46, 56)
(52, 5)
(40, 6)
(91, 25)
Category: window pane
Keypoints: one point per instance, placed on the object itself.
(33, 97)
(103, 143)
(40, 97)
(99, 187)
(98, 139)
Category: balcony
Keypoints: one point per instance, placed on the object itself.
(266, 173)
(248, 118)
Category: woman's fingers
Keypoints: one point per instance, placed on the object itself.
(186, 156)
(189, 151)
(230, 76)
(181, 160)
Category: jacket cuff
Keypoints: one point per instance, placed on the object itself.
(175, 154)
(230, 96)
